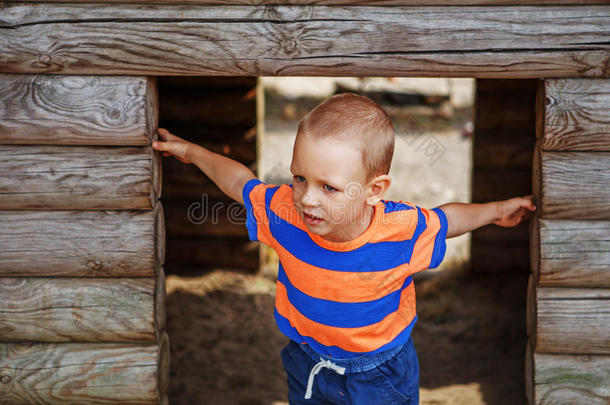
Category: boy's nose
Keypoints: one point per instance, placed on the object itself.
(309, 199)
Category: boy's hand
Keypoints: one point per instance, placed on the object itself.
(173, 145)
(515, 210)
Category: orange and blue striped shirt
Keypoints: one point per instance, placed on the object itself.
(346, 299)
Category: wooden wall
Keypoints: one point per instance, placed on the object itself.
(82, 244)
(502, 150)
(483, 41)
(205, 228)
(568, 358)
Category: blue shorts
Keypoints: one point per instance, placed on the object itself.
(391, 377)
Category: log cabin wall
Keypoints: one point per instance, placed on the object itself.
(502, 150)
(568, 358)
(205, 228)
(82, 185)
(82, 245)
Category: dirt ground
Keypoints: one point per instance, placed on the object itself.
(225, 347)
(470, 337)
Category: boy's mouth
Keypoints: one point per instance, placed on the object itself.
(311, 219)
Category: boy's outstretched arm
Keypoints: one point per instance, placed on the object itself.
(228, 174)
(464, 217)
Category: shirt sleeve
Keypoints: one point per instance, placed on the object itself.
(255, 197)
(429, 237)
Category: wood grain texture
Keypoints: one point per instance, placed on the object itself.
(145, 39)
(573, 253)
(574, 185)
(352, 2)
(570, 379)
(77, 177)
(76, 110)
(577, 115)
(38, 309)
(160, 235)
(81, 243)
(572, 320)
(84, 373)
(160, 301)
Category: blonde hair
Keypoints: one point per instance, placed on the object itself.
(351, 116)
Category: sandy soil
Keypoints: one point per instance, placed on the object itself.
(225, 346)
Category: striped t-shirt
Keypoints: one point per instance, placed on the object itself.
(346, 299)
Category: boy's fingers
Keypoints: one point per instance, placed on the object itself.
(162, 146)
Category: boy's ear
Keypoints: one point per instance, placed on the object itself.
(377, 188)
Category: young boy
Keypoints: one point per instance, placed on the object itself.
(345, 296)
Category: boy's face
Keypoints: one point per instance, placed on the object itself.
(329, 190)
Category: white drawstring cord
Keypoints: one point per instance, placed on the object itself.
(316, 369)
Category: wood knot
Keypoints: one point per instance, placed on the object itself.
(290, 46)
(114, 113)
(5, 379)
(94, 265)
(44, 59)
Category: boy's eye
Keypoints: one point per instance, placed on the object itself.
(300, 179)
(329, 188)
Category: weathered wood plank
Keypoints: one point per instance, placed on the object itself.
(569, 379)
(84, 373)
(572, 320)
(352, 2)
(577, 114)
(82, 243)
(76, 110)
(138, 39)
(573, 253)
(78, 177)
(573, 185)
(38, 309)
(160, 301)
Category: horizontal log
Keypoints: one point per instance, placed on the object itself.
(574, 185)
(568, 379)
(84, 373)
(77, 110)
(82, 243)
(572, 320)
(572, 253)
(152, 40)
(352, 2)
(576, 114)
(79, 177)
(38, 309)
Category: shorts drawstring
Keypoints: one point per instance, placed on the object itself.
(316, 369)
